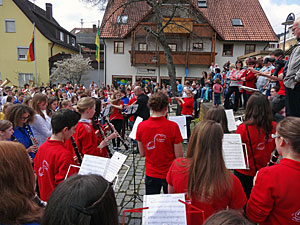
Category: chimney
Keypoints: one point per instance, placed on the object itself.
(94, 28)
(49, 11)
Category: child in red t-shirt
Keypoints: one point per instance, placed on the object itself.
(159, 140)
(116, 117)
(209, 185)
(85, 134)
(187, 105)
(217, 89)
(53, 158)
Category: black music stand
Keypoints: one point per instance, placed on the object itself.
(135, 194)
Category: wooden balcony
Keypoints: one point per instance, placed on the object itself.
(179, 58)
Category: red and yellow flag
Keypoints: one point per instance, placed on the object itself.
(30, 53)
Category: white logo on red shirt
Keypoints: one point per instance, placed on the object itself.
(44, 167)
(296, 216)
(260, 146)
(157, 138)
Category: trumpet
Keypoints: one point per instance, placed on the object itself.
(7, 81)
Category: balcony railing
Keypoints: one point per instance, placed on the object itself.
(179, 57)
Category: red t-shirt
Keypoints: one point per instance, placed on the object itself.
(188, 106)
(51, 164)
(158, 136)
(275, 197)
(261, 149)
(86, 138)
(250, 81)
(116, 113)
(178, 178)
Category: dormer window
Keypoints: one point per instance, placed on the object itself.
(236, 22)
(202, 4)
(123, 19)
(61, 36)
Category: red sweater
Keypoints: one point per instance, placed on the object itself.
(262, 149)
(275, 197)
(51, 164)
(188, 106)
(86, 139)
(178, 178)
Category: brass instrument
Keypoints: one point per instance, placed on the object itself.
(7, 81)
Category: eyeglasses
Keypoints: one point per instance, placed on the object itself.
(278, 136)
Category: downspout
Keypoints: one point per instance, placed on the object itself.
(51, 54)
(104, 62)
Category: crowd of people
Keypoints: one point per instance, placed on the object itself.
(44, 130)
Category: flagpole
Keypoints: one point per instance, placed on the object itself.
(99, 56)
(35, 70)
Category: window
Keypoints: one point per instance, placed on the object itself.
(10, 26)
(122, 19)
(1, 2)
(249, 48)
(22, 53)
(119, 47)
(73, 41)
(173, 47)
(202, 4)
(142, 47)
(236, 22)
(24, 78)
(227, 50)
(61, 36)
(68, 39)
(197, 46)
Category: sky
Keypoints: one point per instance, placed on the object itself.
(69, 13)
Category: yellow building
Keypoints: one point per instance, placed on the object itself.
(16, 27)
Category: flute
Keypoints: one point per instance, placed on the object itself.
(32, 139)
(76, 150)
(274, 158)
(114, 130)
(103, 137)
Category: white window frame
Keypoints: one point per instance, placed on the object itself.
(68, 39)
(143, 47)
(73, 41)
(25, 79)
(6, 28)
(61, 36)
(18, 53)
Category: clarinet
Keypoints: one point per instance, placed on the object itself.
(33, 141)
(274, 158)
(103, 137)
(114, 130)
(76, 150)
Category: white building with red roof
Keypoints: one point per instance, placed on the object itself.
(202, 33)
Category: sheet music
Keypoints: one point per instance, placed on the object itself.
(138, 120)
(181, 121)
(230, 120)
(233, 151)
(164, 209)
(106, 111)
(132, 109)
(115, 164)
(93, 165)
